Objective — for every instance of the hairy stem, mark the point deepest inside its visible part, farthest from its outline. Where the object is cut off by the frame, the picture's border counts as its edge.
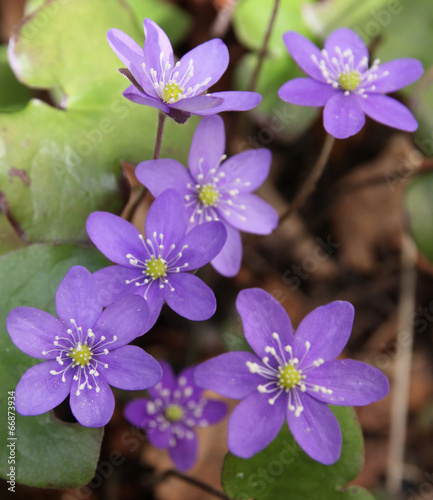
(159, 133)
(194, 482)
(128, 215)
(264, 48)
(312, 179)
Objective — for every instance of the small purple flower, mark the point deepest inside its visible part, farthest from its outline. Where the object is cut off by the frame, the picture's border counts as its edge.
(217, 191)
(342, 81)
(290, 377)
(176, 408)
(85, 351)
(178, 89)
(156, 266)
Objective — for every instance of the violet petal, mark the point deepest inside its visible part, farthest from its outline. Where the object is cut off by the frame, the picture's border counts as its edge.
(204, 242)
(38, 391)
(207, 147)
(228, 261)
(154, 296)
(213, 412)
(401, 72)
(316, 430)
(77, 299)
(115, 237)
(191, 298)
(167, 216)
(303, 50)
(347, 39)
(157, 48)
(134, 95)
(389, 111)
(137, 413)
(343, 115)
(262, 315)
(184, 452)
(228, 374)
(254, 424)
(353, 383)
(168, 380)
(250, 167)
(126, 319)
(197, 104)
(131, 368)
(159, 175)
(186, 380)
(251, 214)
(33, 331)
(327, 329)
(131, 54)
(91, 408)
(210, 60)
(233, 101)
(111, 283)
(306, 92)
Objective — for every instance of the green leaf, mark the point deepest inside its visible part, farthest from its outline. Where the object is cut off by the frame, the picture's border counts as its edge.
(419, 204)
(251, 19)
(9, 240)
(283, 470)
(325, 17)
(172, 19)
(407, 32)
(49, 453)
(13, 94)
(71, 156)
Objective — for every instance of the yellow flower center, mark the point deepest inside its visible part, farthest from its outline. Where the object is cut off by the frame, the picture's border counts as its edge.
(209, 195)
(172, 92)
(81, 355)
(156, 267)
(289, 377)
(174, 413)
(350, 80)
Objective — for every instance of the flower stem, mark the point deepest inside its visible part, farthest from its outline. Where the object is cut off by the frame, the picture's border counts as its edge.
(264, 48)
(312, 179)
(402, 368)
(159, 133)
(128, 215)
(194, 482)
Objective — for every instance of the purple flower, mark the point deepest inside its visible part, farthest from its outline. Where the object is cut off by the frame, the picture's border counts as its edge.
(176, 408)
(217, 191)
(156, 265)
(290, 377)
(342, 81)
(180, 89)
(85, 351)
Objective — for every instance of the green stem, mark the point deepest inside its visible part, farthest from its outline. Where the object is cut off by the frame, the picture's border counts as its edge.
(312, 179)
(157, 151)
(264, 48)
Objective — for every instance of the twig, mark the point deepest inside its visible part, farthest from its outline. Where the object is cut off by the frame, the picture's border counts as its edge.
(194, 482)
(157, 151)
(400, 393)
(312, 179)
(222, 22)
(264, 48)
